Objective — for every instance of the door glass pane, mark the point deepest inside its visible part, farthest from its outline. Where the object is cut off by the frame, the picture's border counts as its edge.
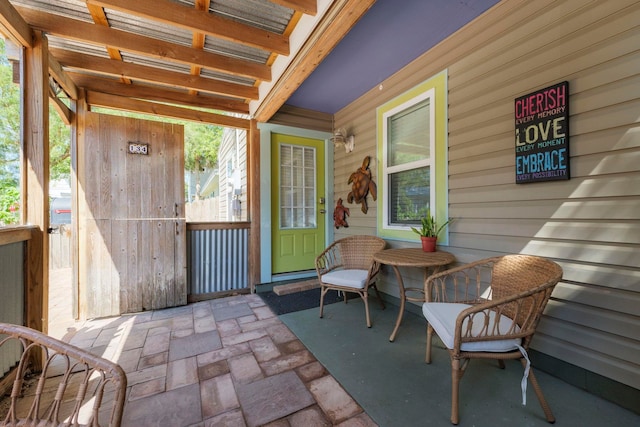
(309, 196)
(285, 218)
(296, 195)
(297, 186)
(298, 177)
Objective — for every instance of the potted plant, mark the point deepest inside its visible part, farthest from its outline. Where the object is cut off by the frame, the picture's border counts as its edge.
(429, 231)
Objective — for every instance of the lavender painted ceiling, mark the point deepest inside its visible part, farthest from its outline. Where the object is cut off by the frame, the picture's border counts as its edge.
(390, 35)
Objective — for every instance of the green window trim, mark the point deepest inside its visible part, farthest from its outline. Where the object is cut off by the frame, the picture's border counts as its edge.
(435, 88)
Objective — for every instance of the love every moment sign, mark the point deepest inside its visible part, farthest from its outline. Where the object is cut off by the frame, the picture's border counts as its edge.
(542, 135)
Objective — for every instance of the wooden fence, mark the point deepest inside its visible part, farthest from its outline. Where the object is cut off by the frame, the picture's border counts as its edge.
(205, 210)
(60, 247)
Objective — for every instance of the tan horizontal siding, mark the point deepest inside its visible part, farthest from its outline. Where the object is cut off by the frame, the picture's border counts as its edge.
(601, 297)
(589, 224)
(592, 319)
(622, 232)
(618, 369)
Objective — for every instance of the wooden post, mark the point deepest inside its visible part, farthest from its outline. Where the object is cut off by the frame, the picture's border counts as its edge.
(76, 105)
(79, 203)
(253, 178)
(35, 174)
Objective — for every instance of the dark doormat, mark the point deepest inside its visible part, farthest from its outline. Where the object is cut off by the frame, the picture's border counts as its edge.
(282, 304)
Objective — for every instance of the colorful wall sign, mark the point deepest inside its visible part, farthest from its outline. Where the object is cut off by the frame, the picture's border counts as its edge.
(542, 135)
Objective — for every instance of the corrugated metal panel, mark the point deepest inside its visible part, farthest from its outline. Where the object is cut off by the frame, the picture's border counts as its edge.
(147, 27)
(71, 8)
(588, 224)
(152, 62)
(226, 77)
(12, 301)
(77, 46)
(224, 47)
(217, 260)
(263, 13)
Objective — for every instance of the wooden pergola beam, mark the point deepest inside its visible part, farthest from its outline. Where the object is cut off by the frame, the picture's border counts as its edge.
(166, 95)
(63, 111)
(98, 99)
(58, 74)
(104, 36)
(192, 19)
(18, 28)
(112, 67)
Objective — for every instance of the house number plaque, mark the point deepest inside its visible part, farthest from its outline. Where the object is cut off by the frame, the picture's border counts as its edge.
(138, 148)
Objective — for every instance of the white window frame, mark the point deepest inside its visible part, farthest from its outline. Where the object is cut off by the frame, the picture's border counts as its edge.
(430, 161)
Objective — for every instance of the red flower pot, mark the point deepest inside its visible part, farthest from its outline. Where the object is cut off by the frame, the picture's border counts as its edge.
(428, 243)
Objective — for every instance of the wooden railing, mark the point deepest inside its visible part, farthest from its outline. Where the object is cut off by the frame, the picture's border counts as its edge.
(13, 253)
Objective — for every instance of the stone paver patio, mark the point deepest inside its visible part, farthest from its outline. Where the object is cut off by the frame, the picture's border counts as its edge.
(225, 362)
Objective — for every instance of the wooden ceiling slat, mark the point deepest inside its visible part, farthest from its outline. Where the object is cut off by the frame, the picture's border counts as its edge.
(198, 38)
(195, 20)
(151, 74)
(99, 17)
(104, 36)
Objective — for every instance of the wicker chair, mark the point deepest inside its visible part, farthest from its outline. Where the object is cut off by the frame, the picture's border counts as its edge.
(490, 309)
(74, 387)
(347, 266)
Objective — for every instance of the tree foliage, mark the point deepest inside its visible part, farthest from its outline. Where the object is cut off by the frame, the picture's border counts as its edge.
(201, 143)
(9, 142)
(10, 146)
(59, 147)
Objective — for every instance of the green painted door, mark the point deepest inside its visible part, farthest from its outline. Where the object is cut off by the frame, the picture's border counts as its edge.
(298, 207)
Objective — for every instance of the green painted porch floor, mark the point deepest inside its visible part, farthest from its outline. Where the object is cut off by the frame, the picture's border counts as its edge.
(395, 387)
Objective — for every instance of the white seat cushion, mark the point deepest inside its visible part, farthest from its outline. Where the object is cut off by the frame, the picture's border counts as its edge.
(442, 317)
(348, 278)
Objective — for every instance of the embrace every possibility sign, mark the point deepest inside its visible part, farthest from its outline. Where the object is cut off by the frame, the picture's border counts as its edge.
(542, 135)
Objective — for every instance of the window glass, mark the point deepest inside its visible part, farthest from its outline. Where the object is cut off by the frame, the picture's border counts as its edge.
(408, 163)
(409, 135)
(409, 195)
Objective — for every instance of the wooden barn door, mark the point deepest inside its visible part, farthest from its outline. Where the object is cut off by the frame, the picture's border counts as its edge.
(132, 231)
